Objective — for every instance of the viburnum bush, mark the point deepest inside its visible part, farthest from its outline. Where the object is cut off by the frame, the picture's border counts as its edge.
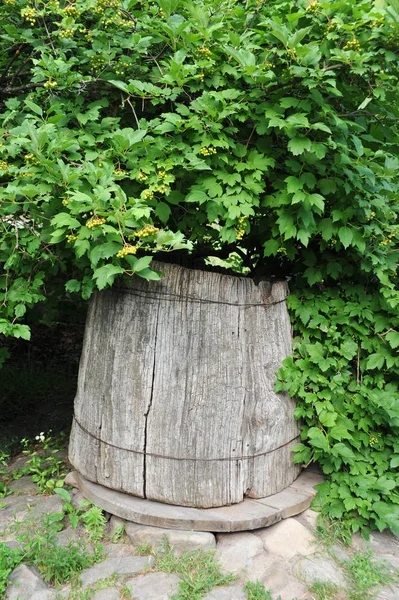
(263, 133)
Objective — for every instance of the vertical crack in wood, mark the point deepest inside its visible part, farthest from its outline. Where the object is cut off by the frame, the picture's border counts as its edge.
(149, 407)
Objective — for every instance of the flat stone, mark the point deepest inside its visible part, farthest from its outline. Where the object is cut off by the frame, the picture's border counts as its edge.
(230, 592)
(339, 553)
(125, 565)
(79, 502)
(384, 542)
(287, 539)
(181, 541)
(236, 551)
(260, 565)
(23, 485)
(154, 586)
(392, 561)
(44, 595)
(280, 583)
(308, 518)
(47, 504)
(389, 593)
(118, 550)
(310, 569)
(72, 479)
(24, 581)
(67, 536)
(307, 480)
(108, 594)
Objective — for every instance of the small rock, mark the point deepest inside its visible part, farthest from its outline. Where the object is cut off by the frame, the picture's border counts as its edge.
(231, 592)
(389, 593)
(320, 569)
(287, 539)
(339, 553)
(23, 583)
(80, 502)
(125, 565)
(260, 565)
(23, 485)
(108, 594)
(72, 479)
(181, 541)
(66, 536)
(308, 518)
(47, 504)
(115, 525)
(280, 583)
(391, 560)
(118, 550)
(236, 551)
(154, 586)
(384, 542)
(44, 595)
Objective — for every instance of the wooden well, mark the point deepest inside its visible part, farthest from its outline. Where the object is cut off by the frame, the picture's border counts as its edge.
(176, 399)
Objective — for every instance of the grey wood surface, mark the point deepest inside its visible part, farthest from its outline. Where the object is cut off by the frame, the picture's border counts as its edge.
(184, 368)
(247, 515)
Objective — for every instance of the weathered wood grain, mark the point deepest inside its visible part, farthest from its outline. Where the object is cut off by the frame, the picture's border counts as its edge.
(182, 370)
(245, 516)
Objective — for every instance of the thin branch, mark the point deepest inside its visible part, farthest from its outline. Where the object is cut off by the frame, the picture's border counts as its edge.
(134, 112)
(10, 91)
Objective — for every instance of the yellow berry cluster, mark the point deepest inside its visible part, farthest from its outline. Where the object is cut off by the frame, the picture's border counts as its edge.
(208, 151)
(119, 171)
(371, 216)
(122, 66)
(10, 2)
(162, 189)
(240, 230)
(161, 13)
(331, 27)
(376, 23)
(102, 5)
(95, 221)
(71, 10)
(29, 14)
(206, 53)
(388, 240)
(31, 159)
(22, 174)
(3, 165)
(147, 195)
(268, 65)
(71, 238)
(352, 45)
(66, 33)
(282, 250)
(141, 176)
(201, 77)
(146, 231)
(65, 202)
(162, 174)
(50, 84)
(291, 52)
(127, 249)
(373, 440)
(312, 7)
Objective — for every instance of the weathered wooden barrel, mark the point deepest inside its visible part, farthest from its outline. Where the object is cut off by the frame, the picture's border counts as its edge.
(176, 399)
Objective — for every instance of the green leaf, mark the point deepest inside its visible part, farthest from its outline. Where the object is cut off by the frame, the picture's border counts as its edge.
(345, 235)
(163, 211)
(65, 220)
(142, 263)
(105, 275)
(299, 144)
(149, 274)
(394, 462)
(375, 361)
(270, 248)
(318, 439)
(73, 285)
(103, 251)
(393, 338)
(34, 107)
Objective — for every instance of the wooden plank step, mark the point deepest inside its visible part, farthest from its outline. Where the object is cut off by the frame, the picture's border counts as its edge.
(244, 516)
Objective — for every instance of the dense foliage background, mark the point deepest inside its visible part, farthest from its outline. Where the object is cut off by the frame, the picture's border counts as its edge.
(264, 133)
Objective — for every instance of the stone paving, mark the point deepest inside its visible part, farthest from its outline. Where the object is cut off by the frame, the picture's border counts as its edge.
(286, 557)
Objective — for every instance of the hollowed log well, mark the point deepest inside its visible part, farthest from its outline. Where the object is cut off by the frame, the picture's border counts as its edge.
(176, 399)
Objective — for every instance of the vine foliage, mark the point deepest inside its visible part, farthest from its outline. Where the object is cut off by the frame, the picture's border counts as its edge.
(264, 133)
